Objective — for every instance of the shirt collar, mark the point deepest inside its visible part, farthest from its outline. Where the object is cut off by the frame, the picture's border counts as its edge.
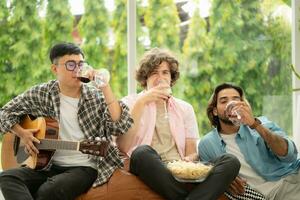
(244, 132)
(218, 139)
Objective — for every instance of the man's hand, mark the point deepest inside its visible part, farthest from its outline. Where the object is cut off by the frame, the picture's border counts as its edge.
(191, 157)
(237, 187)
(245, 111)
(27, 137)
(156, 93)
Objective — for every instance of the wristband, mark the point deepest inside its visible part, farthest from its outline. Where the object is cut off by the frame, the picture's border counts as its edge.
(256, 123)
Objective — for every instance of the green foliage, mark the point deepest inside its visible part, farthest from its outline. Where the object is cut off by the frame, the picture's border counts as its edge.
(242, 48)
(95, 43)
(239, 46)
(23, 52)
(119, 51)
(288, 2)
(161, 18)
(119, 64)
(240, 42)
(5, 64)
(58, 27)
(197, 69)
(59, 22)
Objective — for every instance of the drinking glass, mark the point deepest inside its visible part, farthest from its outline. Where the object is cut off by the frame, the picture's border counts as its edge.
(169, 92)
(233, 115)
(84, 74)
(101, 77)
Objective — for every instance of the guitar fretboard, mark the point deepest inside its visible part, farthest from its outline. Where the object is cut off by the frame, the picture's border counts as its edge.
(58, 144)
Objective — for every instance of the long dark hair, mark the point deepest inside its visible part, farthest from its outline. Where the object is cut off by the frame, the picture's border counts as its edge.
(214, 120)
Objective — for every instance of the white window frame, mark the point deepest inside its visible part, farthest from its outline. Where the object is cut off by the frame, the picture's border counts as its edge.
(296, 62)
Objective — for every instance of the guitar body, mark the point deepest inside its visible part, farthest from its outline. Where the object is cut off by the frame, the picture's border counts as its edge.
(13, 154)
(8, 159)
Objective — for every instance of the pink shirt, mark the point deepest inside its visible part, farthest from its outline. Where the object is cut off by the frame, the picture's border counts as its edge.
(182, 121)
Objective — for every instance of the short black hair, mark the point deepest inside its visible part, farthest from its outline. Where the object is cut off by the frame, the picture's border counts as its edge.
(61, 49)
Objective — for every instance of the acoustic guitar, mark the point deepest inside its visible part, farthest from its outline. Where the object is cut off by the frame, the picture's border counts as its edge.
(13, 154)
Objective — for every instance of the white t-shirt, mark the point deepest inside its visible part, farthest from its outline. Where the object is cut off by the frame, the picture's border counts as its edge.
(69, 130)
(246, 171)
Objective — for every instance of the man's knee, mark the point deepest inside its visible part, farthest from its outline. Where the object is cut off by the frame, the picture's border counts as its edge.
(139, 157)
(141, 151)
(231, 162)
(50, 190)
(6, 177)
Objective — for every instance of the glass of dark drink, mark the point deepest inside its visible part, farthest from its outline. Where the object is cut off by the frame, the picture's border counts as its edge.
(84, 74)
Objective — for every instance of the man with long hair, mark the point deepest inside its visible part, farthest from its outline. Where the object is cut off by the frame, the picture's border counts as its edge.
(268, 157)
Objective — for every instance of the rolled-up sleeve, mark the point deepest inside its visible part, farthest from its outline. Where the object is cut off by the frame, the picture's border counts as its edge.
(10, 114)
(292, 150)
(122, 125)
(191, 126)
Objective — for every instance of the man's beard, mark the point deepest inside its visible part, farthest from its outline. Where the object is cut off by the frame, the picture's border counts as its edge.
(224, 119)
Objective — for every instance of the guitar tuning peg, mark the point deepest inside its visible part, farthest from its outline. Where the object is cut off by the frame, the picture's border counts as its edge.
(103, 138)
(97, 138)
(91, 151)
(90, 138)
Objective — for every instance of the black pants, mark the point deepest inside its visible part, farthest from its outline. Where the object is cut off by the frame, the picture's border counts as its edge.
(147, 164)
(65, 183)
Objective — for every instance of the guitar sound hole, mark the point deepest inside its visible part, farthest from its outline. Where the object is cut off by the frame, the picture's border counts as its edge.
(51, 131)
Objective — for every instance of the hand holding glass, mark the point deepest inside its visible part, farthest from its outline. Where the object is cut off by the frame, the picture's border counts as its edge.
(169, 92)
(233, 114)
(100, 77)
(84, 74)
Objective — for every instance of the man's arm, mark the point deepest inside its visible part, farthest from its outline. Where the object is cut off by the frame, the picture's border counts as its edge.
(190, 150)
(277, 144)
(192, 131)
(125, 141)
(113, 105)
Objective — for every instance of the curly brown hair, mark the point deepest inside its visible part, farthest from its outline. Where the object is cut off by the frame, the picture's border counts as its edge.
(151, 60)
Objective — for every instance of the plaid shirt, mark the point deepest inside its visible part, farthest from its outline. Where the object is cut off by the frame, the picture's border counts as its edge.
(93, 118)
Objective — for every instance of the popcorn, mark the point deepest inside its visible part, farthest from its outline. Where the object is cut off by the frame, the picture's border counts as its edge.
(189, 170)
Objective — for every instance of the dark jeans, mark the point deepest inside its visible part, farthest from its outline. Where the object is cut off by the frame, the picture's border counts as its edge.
(65, 183)
(147, 164)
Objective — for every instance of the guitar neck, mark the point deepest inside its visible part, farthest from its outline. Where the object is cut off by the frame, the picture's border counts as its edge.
(58, 144)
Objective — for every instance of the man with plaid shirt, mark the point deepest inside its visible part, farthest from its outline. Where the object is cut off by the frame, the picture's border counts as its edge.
(82, 112)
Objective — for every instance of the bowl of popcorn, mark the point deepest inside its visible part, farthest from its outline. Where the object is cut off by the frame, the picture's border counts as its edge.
(189, 171)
